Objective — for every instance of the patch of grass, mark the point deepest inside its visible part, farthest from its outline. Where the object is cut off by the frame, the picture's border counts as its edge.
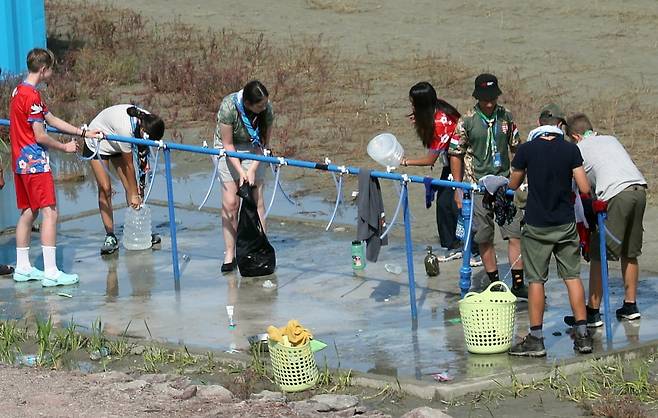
(97, 339)
(210, 364)
(69, 339)
(11, 337)
(182, 359)
(154, 358)
(121, 347)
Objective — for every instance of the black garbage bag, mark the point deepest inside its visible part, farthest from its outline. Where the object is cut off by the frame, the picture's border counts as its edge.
(254, 253)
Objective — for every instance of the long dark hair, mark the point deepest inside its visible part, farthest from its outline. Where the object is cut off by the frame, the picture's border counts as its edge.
(253, 92)
(150, 123)
(425, 103)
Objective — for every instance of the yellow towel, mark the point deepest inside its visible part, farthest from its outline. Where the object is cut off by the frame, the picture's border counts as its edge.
(295, 333)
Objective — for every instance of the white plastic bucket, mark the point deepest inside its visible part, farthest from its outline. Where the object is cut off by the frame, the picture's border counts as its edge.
(386, 150)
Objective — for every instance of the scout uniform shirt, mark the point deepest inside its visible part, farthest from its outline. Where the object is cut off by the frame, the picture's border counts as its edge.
(485, 143)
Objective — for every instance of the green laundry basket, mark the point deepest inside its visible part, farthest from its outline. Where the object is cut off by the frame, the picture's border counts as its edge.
(294, 367)
(488, 319)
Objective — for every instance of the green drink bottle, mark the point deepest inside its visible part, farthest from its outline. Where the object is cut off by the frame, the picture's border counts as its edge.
(358, 255)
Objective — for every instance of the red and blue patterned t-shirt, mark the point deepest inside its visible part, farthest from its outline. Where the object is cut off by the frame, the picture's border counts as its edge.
(26, 108)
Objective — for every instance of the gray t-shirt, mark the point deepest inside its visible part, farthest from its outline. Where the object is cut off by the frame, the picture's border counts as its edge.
(608, 166)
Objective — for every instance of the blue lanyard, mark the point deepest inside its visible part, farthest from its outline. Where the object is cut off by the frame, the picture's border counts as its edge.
(254, 133)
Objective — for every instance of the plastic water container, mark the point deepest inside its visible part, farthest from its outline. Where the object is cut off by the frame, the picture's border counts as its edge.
(137, 229)
(386, 150)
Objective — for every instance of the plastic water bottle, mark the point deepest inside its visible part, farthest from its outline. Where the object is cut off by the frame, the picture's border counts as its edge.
(393, 268)
(460, 230)
(137, 229)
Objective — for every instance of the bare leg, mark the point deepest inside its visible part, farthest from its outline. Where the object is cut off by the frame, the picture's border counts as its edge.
(514, 254)
(595, 288)
(577, 298)
(536, 303)
(488, 254)
(104, 194)
(230, 205)
(126, 172)
(260, 204)
(49, 226)
(24, 228)
(630, 271)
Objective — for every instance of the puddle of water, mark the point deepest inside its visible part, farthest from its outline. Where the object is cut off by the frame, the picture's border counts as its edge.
(364, 317)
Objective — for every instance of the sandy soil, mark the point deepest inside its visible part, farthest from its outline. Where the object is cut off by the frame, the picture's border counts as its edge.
(116, 394)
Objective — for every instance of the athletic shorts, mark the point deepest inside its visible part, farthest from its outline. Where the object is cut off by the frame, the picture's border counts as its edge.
(35, 191)
(539, 243)
(624, 223)
(228, 173)
(87, 153)
(483, 223)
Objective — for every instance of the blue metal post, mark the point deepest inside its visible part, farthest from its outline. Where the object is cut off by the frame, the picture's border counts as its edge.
(410, 252)
(465, 271)
(601, 217)
(172, 216)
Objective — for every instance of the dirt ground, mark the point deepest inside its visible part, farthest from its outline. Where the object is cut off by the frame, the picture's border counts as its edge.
(116, 394)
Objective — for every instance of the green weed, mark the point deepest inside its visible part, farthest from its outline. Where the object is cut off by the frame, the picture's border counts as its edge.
(11, 336)
(121, 347)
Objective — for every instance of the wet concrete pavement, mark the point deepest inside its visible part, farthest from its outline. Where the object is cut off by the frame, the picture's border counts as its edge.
(364, 317)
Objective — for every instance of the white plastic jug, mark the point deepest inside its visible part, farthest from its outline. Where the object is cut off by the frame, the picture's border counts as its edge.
(386, 150)
(137, 229)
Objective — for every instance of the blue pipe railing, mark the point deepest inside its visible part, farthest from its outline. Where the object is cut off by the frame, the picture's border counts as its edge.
(465, 273)
(601, 217)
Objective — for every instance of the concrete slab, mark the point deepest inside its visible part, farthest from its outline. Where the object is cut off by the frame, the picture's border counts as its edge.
(365, 317)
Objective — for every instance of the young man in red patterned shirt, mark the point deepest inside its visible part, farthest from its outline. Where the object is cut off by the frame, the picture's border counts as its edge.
(35, 188)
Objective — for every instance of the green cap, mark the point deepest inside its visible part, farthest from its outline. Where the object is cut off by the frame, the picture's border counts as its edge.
(552, 111)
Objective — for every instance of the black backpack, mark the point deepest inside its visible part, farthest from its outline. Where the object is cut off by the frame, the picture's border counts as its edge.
(254, 253)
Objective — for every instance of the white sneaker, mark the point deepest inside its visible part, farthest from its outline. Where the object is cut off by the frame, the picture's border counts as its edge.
(61, 279)
(476, 261)
(450, 254)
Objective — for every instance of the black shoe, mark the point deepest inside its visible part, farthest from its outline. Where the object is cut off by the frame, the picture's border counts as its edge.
(5, 269)
(110, 245)
(155, 239)
(628, 311)
(583, 343)
(593, 320)
(228, 267)
(529, 347)
(521, 293)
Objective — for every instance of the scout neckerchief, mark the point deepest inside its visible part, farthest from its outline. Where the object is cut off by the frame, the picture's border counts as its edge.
(490, 123)
(254, 133)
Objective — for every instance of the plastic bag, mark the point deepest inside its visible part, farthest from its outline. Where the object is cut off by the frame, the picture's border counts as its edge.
(254, 253)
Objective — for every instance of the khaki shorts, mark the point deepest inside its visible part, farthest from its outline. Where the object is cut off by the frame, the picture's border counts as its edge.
(537, 245)
(483, 223)
(625, 216)
(228, 173)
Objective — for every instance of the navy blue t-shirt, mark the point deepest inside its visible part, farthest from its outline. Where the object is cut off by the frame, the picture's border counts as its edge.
(549, 168)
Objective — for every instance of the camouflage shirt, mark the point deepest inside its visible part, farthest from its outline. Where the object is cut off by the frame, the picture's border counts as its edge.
(228, 115)
(471, 141)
